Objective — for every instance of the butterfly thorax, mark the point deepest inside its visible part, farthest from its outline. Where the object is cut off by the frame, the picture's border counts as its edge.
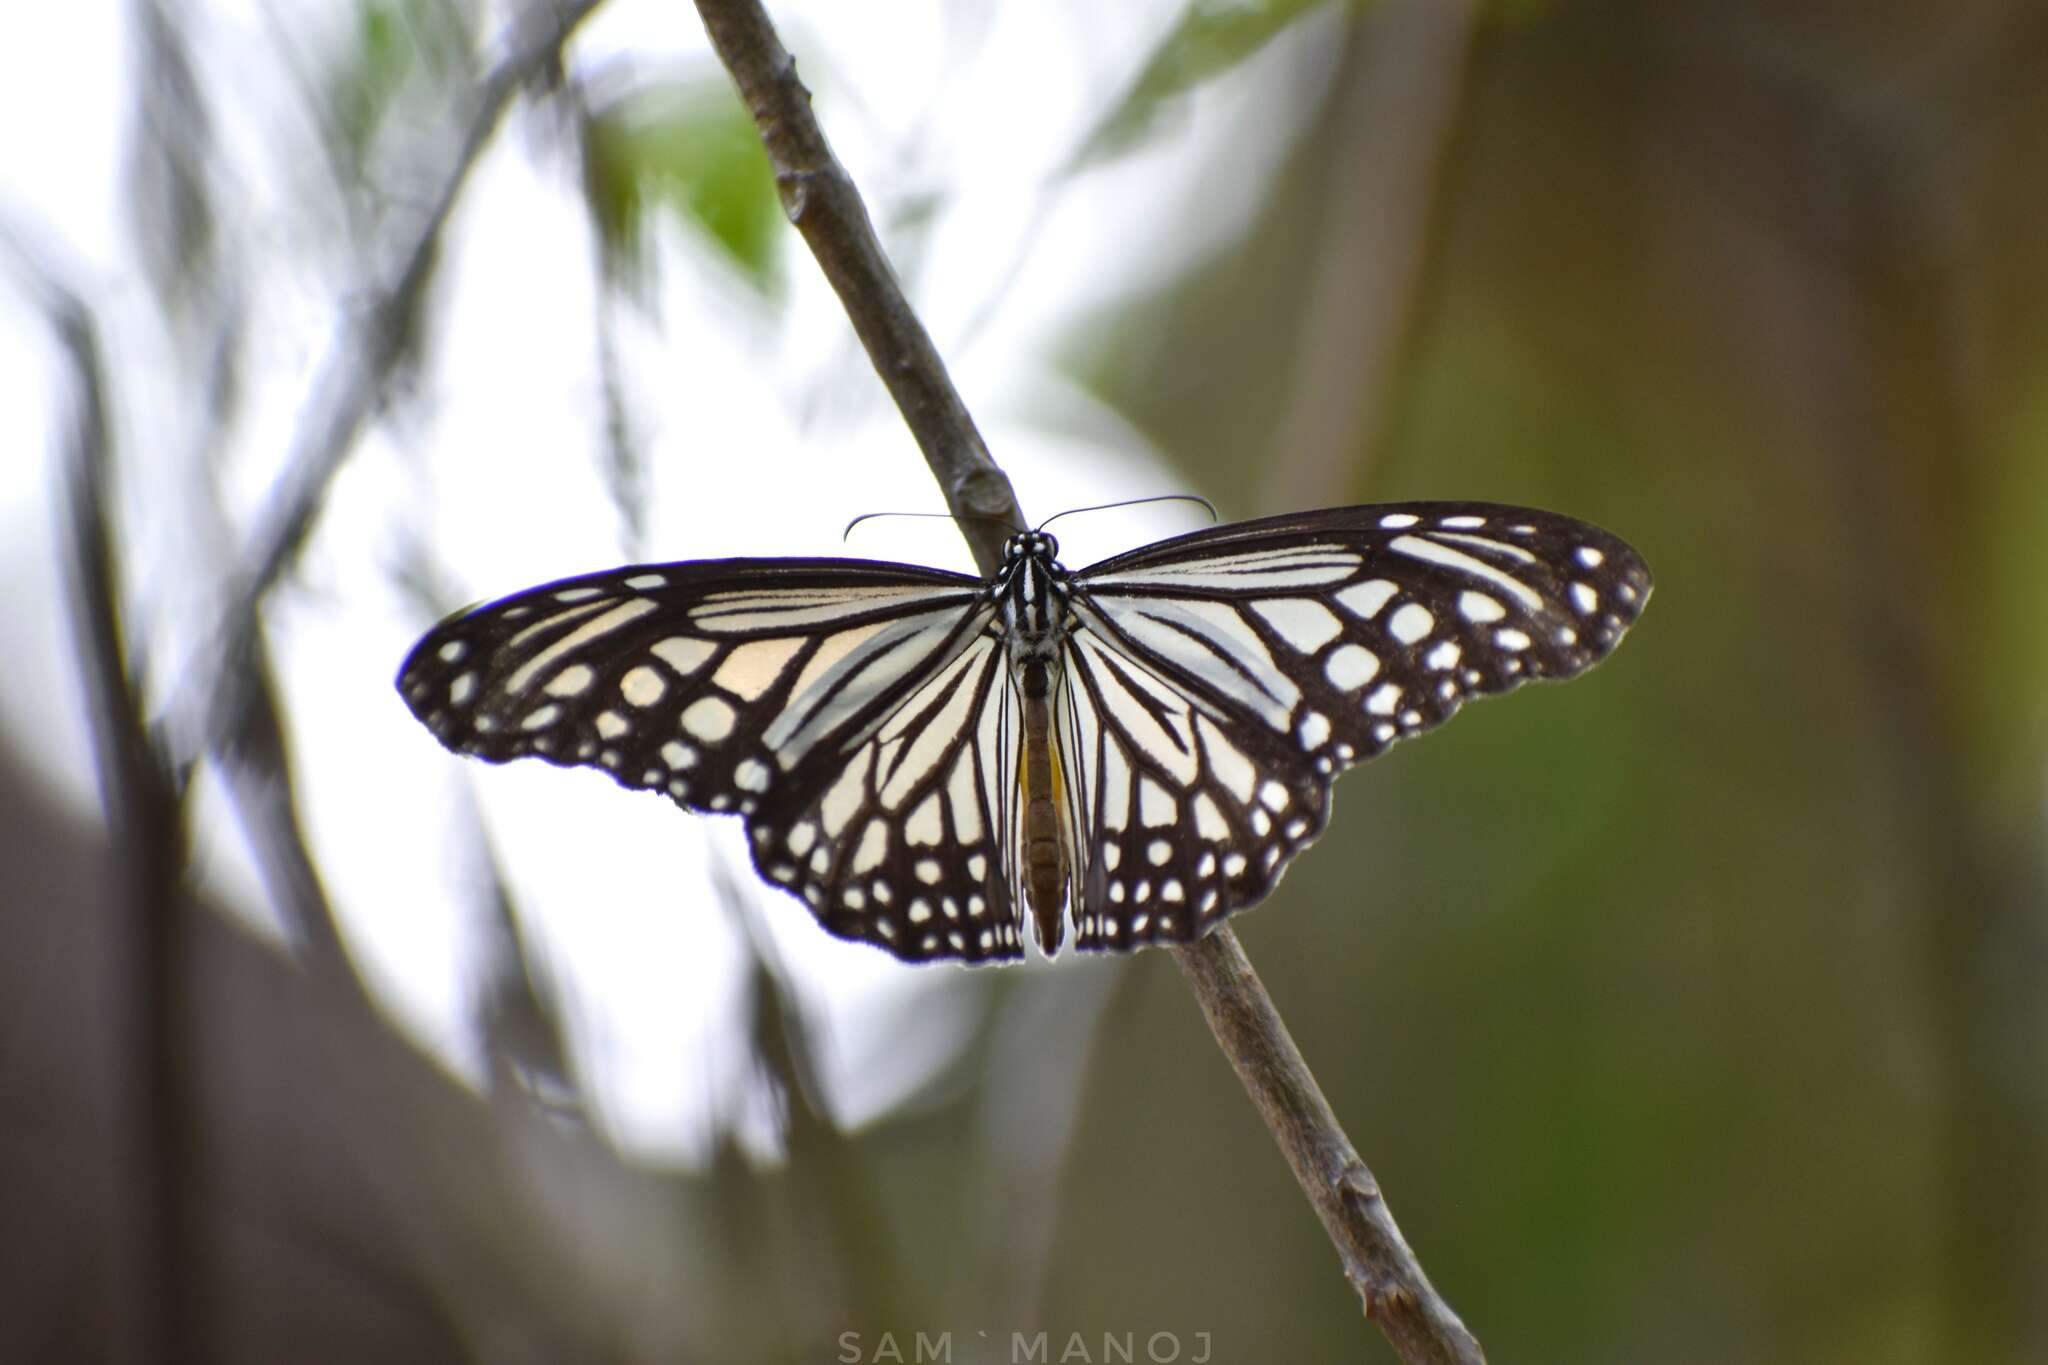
(1032, 590)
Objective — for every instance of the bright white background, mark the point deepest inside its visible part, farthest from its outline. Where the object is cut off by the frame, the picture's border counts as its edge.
(766, 431)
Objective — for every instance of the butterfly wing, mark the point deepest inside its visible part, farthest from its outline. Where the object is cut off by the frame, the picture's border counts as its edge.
(908, 842)
(797, 693)
(1218, 682)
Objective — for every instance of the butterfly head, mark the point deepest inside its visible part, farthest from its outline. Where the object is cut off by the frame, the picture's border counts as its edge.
(1031, 545)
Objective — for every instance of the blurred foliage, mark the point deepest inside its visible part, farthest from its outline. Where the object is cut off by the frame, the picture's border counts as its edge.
(687, 148)
(394, 48)
(1692, 1012)
(1210, 39)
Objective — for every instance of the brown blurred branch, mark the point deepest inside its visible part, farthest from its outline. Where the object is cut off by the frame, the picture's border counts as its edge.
(1392, 125)
(161, 1269)
(822, 202)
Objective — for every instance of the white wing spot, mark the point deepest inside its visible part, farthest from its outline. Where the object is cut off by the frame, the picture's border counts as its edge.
(977, 868)
(929, 871)
(1364, 600)
(1233, 865)
(853, 898)
(924, 825)
(801, 837)
(1112, 854)
(821, 860)
(1262, 823)
(1511, 639)
(1155, 804)
(709, 718)
(1116, 892)
(1444, 656)
(677, 754)
(751, 775)
(572, 681)
(1351, 667)
(1567, 636)
(1226, 760)
(752, 668)
(610, 724)
(1463, 523)
(1584, 598)
(642, 686)
(1174, 893)
(1411, 622)
(641, 582)
(843, 797)
(452, 652)
(1304, 623)
(540, 717)
(1384, 699)
(1209, 821)
(683, 654)
(962, 793)
(920, 910)
(462, 689)
(1159, 851)
(578, 594)
(1396, 521)
(1206, 868)
(597, 626)
(1314, 730)
(874, 846)
(1478, 608)
(1274, 797)
(1591, 557)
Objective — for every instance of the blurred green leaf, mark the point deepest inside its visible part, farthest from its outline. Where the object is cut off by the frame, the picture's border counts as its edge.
(692, 150)
(1212, 37)
(395, 42)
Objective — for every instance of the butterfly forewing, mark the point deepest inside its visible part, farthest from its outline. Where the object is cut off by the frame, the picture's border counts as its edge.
(1298, 646)
(736, 685)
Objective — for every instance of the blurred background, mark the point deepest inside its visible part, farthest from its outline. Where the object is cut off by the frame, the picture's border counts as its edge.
(1692, 1012)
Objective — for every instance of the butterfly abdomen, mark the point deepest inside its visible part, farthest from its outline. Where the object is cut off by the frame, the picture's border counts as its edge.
(1045, 853)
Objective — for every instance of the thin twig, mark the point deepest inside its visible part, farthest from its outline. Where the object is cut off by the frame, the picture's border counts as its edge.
(822, 202)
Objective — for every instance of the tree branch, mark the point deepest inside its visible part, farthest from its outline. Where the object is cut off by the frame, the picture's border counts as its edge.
(822, 202)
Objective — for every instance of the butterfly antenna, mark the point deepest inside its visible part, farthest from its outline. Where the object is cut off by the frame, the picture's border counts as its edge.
(944, 516)
(1136, 502)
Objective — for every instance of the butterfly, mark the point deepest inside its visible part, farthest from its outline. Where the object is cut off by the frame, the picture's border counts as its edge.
(1141, 746)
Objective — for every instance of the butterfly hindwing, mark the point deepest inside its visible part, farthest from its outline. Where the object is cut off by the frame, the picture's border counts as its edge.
(1177, 821)
(906, 845)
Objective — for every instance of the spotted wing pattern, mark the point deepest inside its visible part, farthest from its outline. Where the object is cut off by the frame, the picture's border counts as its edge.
(865, 719)
(908, 841)
(1217, 683)
(813, 697)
